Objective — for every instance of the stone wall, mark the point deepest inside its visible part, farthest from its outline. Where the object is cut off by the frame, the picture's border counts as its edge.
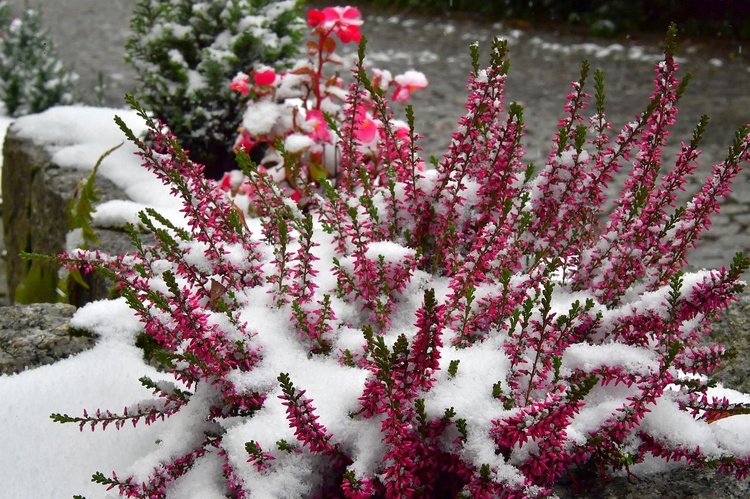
(38, 334)
(36, 195)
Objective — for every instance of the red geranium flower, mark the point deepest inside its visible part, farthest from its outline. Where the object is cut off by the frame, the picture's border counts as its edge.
(264, 77)
(241, 83)
(342, 21)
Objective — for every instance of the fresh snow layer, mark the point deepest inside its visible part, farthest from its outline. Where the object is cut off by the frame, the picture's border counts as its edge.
(41, 458)
(77, 136)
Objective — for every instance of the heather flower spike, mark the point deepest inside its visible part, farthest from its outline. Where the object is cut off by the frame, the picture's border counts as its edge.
(468, 331)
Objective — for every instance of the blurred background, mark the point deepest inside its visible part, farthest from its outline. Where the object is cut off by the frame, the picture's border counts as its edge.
(548, 39)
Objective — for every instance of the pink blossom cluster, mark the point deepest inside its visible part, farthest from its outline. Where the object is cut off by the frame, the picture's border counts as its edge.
(472, 330)
(294, 107)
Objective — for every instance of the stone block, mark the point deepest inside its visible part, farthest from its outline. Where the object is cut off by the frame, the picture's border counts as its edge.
(36, 195)
(38, 334)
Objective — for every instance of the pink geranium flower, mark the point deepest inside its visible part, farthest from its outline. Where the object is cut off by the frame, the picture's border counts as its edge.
(245, 142)
(367, 128)
(408, 82)
(343, 21)
(295, 195)
(317, 122)
(241, 83)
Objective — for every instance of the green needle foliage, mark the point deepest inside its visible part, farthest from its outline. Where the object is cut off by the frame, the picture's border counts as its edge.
(32, 78)
(186, 52)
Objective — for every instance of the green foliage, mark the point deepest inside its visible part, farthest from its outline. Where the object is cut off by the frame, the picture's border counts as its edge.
(39, 285)
(153, 353)
(81, 206)
(32, 78)
(453, 368)
(186, 53)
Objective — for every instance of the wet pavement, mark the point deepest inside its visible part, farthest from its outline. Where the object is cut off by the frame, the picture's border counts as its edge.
(90, 36)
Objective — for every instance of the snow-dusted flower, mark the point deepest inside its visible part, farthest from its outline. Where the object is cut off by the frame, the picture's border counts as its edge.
(318, 126)
(241, 83)
(407, 83)
(312, 89)
(344, 22)
(381, 78)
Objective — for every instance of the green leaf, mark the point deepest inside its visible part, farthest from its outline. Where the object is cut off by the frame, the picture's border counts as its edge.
(76, 276)
(453, 368)
(599, 90)
(81, 206)
(39, 285)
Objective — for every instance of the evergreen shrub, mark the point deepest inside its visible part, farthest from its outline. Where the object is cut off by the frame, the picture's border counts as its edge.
(32, 77)
(185, 51)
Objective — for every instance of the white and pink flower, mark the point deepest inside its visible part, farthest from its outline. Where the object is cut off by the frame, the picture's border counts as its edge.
(407, 83)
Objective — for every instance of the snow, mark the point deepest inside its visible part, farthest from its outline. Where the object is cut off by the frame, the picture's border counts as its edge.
(614, 50)
(104, 377)
(411, 78)
(297, 143)
(117, 214)
(260, 118)
(78, 136)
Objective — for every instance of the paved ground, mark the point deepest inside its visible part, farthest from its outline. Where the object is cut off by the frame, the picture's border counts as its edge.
(90, 36)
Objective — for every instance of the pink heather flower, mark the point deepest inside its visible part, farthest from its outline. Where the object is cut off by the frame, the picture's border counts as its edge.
(317, 122)
(407, 83)
(343, 21)
(264, 77)
(241, 83)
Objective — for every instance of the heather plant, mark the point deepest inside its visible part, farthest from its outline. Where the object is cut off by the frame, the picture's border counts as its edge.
(184, 52)
(32, 77)
(477, 329)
